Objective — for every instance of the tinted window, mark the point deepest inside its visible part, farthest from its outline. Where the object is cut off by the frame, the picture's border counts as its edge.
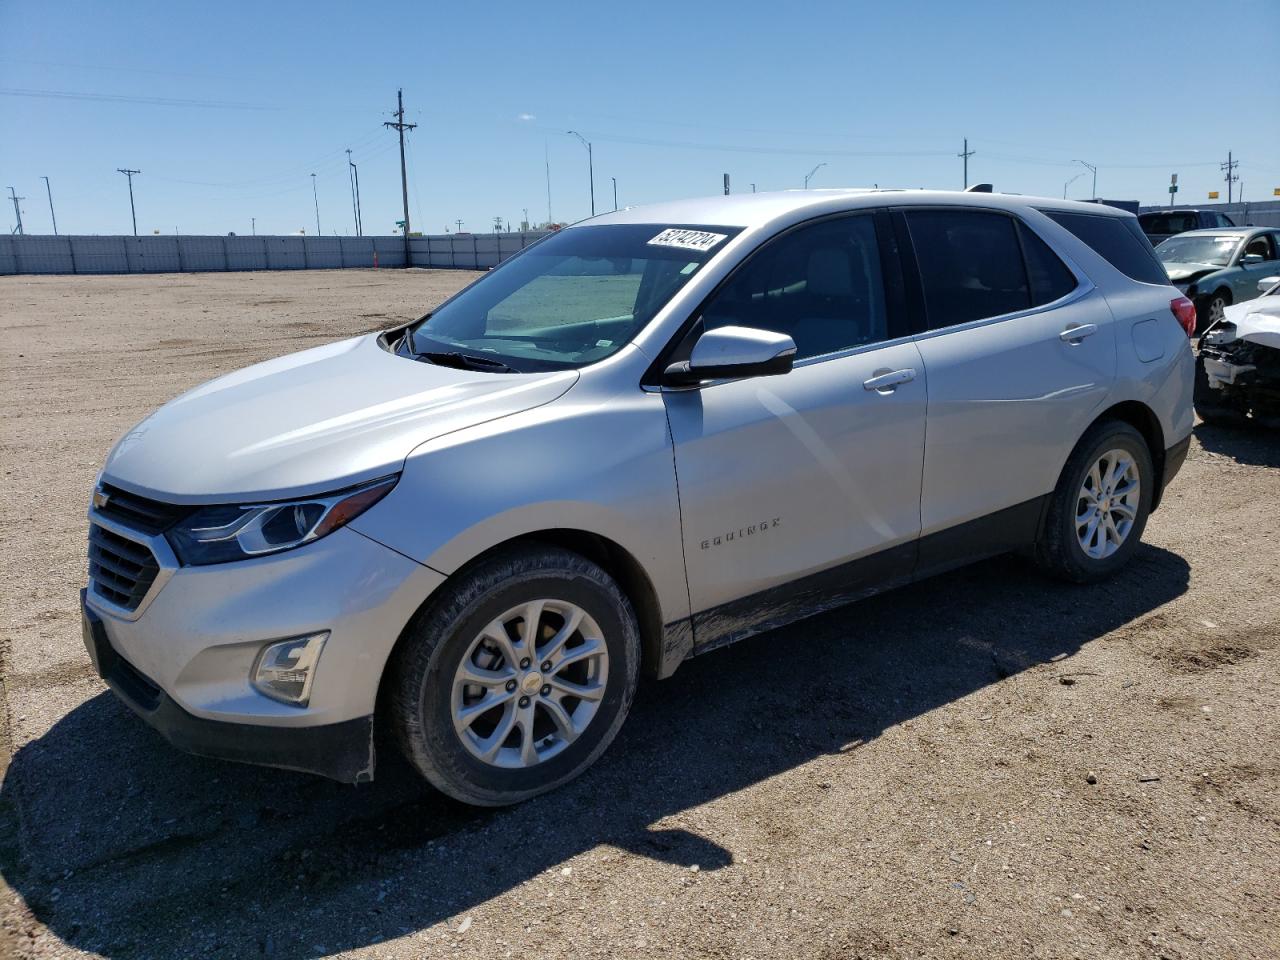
(1118, 240)
(970, 265)
(821, 285)
(1168, 223)
(1050, 278)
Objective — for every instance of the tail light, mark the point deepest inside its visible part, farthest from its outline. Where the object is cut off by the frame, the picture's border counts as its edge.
(1185, 312)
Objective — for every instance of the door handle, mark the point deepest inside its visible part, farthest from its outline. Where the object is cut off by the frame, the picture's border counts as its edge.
(1078, 332)
(887, 382)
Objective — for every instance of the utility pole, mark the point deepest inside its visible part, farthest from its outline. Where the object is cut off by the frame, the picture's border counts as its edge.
(1094, 170)
(459, 223)
(726, 184)
(753, 188)
(253, 226)
(591, 168)
(964, 155)
(355, 215)
(546, 156)
(1232, 176)
(51, 214)
(615, 192)
(132, 209)
(316, 197)
(400, 127)
(17, 212)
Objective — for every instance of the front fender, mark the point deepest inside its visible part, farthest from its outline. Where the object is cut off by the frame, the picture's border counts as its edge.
(602, 465)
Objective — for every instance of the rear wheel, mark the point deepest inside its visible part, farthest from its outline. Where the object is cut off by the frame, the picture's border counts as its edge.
(1100, 507)
(517, 678)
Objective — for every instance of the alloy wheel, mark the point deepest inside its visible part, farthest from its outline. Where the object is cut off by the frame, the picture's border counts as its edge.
(529, 684)
(1107, 504)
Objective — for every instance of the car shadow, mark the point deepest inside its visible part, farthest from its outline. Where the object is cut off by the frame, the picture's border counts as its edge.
(128, 848)
(1250, 443)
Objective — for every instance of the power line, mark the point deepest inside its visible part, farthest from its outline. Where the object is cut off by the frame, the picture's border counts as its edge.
(120, 98)
(132, 209)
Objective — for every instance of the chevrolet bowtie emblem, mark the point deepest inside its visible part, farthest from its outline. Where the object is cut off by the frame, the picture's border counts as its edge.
(100, 499)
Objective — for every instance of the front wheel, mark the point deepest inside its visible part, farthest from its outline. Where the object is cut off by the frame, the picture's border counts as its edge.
(1213, 309)
(517, 678)
(1100, 506)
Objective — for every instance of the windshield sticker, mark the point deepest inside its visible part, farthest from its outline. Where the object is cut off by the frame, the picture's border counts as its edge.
(687, 239)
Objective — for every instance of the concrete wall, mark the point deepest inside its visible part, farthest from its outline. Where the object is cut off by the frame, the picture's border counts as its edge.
(177, 254)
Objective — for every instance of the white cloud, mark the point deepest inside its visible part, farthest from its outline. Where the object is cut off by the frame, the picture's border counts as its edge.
(526, 116)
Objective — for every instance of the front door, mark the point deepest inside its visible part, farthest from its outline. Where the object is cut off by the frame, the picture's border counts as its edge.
(801, 489)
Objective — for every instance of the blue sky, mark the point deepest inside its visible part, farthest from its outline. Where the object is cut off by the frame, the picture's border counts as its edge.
(672, 95)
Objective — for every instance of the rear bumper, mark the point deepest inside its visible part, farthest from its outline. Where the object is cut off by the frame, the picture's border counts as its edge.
(340, 751)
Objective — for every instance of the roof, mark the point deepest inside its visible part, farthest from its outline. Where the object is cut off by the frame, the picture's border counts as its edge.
(1224, 231)
(752, 209)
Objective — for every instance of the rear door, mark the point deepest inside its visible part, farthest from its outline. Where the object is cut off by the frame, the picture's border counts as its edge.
(1019, 352)
(786, 478)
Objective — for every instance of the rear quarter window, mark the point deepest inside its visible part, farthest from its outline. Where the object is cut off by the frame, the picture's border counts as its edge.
(1118, 240)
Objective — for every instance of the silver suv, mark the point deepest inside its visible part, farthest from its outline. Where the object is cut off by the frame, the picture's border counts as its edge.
(646, 436)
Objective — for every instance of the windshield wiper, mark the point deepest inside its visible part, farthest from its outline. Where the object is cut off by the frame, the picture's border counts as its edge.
(466, 361)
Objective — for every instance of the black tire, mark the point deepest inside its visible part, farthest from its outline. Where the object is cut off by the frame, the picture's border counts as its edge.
(1218, 300)
(1211, 406)
(1058, 551)
(423, 669)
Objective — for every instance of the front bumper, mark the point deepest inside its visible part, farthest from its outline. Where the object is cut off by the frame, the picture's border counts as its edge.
(183, 660)
(341, 751)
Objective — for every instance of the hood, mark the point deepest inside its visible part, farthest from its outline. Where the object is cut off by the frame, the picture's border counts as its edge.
(311, 422)
(1257, 321)
(1183, 272)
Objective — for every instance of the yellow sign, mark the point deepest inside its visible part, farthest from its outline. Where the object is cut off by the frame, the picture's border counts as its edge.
(1213, 194)
(1276, 192)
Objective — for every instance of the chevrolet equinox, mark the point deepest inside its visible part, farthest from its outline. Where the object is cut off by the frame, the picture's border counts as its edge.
(644, 437)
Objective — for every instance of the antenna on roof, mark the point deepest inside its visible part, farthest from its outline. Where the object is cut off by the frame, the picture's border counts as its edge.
(978, 188)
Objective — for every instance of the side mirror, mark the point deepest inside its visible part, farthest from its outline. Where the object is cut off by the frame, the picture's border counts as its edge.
(732, 352)
(1251, 260)
(1267, 283)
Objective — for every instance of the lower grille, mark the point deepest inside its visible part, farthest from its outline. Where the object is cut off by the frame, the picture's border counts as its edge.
(122, 570)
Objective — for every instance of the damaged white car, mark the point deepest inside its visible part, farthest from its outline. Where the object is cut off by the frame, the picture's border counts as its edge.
(1238, 370)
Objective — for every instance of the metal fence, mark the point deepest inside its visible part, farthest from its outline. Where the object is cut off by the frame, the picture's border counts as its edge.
(29, 254)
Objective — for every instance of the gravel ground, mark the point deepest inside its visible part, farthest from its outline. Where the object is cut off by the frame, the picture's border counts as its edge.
(985, 765)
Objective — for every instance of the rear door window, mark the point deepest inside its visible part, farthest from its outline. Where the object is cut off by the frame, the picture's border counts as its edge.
(1118, 240)
(970, 265)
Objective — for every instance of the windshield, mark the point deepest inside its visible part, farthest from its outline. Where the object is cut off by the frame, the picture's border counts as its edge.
(1215, 251)
(572, 299)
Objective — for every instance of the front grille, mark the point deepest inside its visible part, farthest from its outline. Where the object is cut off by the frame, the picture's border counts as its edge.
(140, 513)
(122, 570)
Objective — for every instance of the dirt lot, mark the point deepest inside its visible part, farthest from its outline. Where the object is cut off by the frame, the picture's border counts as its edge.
(909, 777)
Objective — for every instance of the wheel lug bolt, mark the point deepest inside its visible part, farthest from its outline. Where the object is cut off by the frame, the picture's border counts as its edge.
(524, 701)
(546, 667)
(546, 689)
(524, 664)
(511, 685)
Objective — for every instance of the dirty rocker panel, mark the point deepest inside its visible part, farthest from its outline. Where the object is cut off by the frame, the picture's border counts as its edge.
(1004, 531)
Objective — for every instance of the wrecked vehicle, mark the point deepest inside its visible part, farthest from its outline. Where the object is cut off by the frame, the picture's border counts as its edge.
(1238, 369)
(1216, 268)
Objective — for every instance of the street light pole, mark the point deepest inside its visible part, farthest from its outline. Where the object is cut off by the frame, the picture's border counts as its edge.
(316, 197)
(809, 176)
(615, 192)
(1069, 183)
(591, 169)
(132, 209)
(1094, 170)
(48, 191)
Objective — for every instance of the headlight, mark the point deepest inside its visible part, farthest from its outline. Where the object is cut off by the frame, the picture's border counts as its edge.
(237, 531)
